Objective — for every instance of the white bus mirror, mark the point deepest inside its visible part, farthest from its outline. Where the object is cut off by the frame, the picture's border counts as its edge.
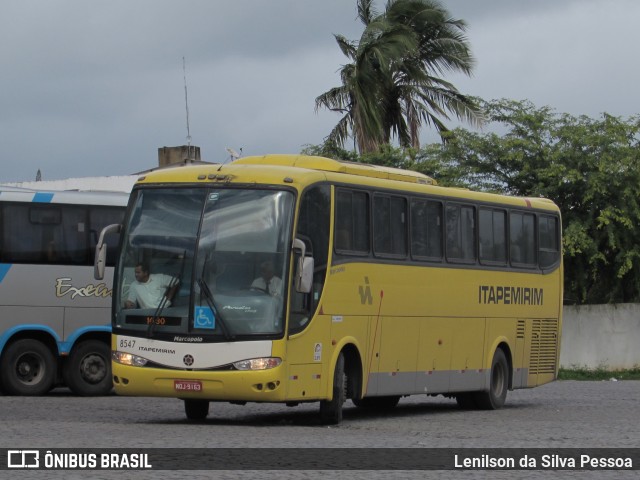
(100, 261)
(304, 272)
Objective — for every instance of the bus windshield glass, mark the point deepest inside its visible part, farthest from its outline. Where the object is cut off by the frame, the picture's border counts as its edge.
(204, 262)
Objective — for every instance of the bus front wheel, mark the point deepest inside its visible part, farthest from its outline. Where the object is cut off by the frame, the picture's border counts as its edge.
(331, 410)
(27, 368)
(196, 409)
(87, 371)
(495, 397)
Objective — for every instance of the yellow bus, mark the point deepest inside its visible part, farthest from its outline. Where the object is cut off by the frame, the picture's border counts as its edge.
(287, 278)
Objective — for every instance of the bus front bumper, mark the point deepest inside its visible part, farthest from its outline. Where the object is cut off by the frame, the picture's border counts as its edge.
(228, 385)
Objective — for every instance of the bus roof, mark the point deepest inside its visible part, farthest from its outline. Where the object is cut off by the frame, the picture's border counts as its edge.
(28, 195)
(336, 166)
(292, 169)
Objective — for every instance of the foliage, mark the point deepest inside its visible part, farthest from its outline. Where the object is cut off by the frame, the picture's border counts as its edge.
(392, 84)
(330, 150)
(600, 373)
(589, 167)
(385, 155)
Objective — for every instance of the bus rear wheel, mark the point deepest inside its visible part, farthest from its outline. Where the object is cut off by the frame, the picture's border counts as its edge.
(331, 410)
(496, 396)
(87, 371)
(27, 368)
(196, 409)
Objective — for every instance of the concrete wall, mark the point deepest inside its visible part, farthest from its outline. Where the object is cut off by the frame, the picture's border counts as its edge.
(170, 155)
(601, 336)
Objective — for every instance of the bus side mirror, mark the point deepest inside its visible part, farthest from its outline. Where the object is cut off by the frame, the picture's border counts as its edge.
(100, 261)
(304, 272)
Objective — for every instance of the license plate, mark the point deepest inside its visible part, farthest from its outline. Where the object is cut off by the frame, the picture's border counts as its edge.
(187, 385)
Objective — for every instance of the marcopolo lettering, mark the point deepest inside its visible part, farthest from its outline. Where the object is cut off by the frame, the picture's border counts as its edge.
(510, 295)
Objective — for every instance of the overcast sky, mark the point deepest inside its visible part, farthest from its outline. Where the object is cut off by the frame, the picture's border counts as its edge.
(92, 88)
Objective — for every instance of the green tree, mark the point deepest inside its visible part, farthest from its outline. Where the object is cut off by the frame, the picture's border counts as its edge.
(387, 155)
(589, 167)
(393, 84)
(330, 150)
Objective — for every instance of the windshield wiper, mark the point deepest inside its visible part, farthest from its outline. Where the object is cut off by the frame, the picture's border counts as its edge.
(204, 288)
(171, 289)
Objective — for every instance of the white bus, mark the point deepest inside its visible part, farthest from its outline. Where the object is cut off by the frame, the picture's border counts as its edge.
(54, 317)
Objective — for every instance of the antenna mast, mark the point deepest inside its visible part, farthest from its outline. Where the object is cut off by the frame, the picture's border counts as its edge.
(186, 103)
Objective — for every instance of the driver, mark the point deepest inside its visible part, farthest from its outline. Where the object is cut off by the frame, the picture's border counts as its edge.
(268, 281)
(148, 289)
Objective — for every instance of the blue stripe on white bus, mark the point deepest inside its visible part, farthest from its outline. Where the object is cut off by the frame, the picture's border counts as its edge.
(4, 269)
(63, 347)
(66, 346)
(6, 335)
(42, 197)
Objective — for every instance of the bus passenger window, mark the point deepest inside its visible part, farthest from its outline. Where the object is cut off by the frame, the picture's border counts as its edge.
(522, 239)
(426, 229)
(493, 236)
(389, 225)
(343, 240)
(549, 241)
(352, 217)
(461, 237)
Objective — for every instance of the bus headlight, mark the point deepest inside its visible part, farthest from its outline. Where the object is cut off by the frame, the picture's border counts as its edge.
(128, 359)
(263, 363)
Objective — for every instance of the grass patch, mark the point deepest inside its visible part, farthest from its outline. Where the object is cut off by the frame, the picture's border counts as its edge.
(600, 373)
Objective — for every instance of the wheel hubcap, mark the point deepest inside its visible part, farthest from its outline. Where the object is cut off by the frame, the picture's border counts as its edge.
(93, 368)
(29, 368)
(498, 380)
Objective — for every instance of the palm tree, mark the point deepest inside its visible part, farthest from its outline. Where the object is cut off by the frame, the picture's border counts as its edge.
(392, 84)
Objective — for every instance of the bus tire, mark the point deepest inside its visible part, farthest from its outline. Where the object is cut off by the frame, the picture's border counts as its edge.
(377, 403)
(495, 397)
(196, 409)
(87, 371)
(331, 410)
(27, 368)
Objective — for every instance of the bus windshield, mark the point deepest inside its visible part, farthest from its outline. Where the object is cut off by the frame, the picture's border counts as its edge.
(206, 262)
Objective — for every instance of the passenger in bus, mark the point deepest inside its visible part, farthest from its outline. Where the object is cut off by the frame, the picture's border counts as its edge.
(268, 282)
(149, 289)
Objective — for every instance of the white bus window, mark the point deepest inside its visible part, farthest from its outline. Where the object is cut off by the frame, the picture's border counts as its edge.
(98, 219)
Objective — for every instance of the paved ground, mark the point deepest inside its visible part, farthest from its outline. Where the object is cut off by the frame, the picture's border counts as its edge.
(564, 414)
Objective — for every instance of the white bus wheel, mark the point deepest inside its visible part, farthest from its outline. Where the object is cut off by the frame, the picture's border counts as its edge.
(87, 371)
(28, 368)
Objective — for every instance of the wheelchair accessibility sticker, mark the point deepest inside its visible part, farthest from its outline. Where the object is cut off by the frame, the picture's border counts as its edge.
(204, 318)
